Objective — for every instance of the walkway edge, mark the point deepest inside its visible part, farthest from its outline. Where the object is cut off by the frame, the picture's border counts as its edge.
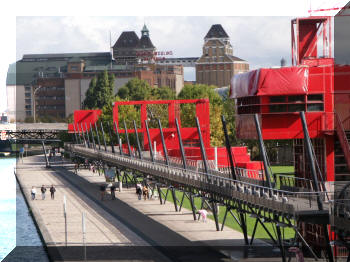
(41, 230)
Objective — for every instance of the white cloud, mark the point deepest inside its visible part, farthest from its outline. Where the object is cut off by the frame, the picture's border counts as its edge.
(259, 40)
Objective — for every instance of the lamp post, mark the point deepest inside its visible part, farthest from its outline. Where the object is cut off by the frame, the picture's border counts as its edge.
(34, 113)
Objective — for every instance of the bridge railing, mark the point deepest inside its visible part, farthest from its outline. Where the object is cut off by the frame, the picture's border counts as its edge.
(290, 182)
(275, 199)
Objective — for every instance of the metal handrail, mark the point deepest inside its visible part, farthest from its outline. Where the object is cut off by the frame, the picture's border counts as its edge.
(217, 184)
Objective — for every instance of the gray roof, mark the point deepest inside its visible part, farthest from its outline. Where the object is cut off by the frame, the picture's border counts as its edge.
(65, 56)
(32, 66)
(145, 42)
(216, 31)
(128, 39)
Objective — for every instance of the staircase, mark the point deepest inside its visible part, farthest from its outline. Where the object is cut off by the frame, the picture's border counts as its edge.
(342, 172)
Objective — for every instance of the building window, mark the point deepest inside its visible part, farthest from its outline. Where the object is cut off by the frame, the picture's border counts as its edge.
(28, 107)
(213, 51)
(27, 95)
(28, 113)
(206, 51)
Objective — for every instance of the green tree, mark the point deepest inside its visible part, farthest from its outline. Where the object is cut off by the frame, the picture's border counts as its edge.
(163, 93)
(188, 111)
(135, 89)
(100, 92)
(90, 99)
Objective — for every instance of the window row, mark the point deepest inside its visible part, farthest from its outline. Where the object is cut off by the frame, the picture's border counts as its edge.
(280, 104)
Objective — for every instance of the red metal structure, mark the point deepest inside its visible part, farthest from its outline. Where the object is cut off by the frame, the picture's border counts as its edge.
(315, 85)
(84, 116)
(189, 134)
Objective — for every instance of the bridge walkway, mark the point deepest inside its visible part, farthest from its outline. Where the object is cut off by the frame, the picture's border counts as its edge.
(292, 204)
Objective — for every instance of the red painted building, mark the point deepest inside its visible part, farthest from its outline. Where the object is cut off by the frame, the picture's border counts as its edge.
(315, 85)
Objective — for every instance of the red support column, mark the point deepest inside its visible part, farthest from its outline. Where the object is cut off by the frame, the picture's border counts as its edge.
(330, 169)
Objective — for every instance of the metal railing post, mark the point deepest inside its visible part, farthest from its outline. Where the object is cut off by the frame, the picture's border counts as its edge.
(103, 136)
(137, 140)
(82, 132)
(98, 137)
(127, 138)
(228, 148)
(181, 144)
(163, 143)
(92, 135)
(118, 137)
(263, 153)
(110, 135)
(149, 141)
(204, 155)
(87, 134)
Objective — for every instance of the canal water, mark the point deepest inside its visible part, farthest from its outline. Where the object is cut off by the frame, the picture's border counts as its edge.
(19, 239)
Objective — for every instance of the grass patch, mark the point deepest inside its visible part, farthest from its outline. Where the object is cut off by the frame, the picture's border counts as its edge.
(231, 222)
(282, 169)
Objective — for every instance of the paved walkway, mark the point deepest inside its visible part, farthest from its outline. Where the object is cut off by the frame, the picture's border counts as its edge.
(102, 229)
(180, 222)
(125, 229)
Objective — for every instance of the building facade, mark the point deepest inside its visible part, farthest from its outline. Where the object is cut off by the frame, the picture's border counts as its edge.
(217, 65)
(54, 85)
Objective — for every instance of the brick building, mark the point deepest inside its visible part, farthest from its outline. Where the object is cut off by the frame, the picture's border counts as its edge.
(217, 65)
(55, 84)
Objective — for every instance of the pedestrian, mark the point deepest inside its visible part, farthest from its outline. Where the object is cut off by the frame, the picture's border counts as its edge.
(139, 192)
(103, 191)
(145, 192)
(203, 213)
(43, 190)
(33, 193)
(113, 191)
(138, 185)
(52, 191)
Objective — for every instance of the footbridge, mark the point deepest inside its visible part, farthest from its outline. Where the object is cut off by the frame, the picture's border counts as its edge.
(282, 200)
(32, 133)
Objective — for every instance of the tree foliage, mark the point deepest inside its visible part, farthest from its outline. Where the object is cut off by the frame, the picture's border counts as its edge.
(100, 91)
(188, 111)
(137, 89)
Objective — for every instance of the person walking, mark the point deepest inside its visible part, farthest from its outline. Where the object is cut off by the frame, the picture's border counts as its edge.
(52, 191)
(113, 191)
(203, 213)
(43, 190)
(139, 192)
(103, 191)
(33, 192)
(145, 192)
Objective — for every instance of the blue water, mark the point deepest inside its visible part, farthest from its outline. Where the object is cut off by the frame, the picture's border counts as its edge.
(15, 218)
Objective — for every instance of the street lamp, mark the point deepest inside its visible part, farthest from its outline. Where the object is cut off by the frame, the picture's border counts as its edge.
(34, 113)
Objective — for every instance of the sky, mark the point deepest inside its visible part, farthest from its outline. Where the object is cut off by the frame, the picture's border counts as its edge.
(259, 30)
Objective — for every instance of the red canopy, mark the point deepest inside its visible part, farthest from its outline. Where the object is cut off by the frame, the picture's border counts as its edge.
(274, 81)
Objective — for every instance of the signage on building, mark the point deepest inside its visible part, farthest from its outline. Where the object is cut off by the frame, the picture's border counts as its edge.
(156, 56)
